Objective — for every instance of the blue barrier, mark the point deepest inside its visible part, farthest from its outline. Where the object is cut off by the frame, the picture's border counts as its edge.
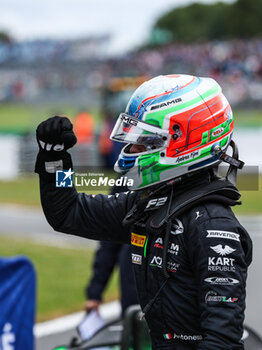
(17, 303)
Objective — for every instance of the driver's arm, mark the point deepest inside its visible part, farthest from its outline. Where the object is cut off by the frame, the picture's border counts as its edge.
(97, 217)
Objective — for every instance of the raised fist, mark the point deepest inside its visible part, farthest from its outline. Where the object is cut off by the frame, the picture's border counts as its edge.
(55, 134)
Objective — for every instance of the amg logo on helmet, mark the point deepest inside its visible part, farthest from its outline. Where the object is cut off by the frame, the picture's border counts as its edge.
(166, 104)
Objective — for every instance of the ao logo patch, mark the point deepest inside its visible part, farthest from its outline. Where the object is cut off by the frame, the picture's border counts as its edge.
(157, 262)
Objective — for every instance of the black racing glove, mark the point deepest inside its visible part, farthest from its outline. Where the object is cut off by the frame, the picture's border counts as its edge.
(54, 137)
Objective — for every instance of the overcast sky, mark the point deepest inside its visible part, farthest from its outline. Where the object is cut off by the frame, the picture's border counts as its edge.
(129, 21)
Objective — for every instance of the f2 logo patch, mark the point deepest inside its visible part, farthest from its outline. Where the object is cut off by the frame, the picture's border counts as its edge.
(156, 202)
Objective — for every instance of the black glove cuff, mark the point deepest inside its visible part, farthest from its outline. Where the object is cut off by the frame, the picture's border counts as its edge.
(47, 163)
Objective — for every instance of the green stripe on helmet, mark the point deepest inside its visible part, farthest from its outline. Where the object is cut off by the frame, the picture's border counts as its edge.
(160, 116)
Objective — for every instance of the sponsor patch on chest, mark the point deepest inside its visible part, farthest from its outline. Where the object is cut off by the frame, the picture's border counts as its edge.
(138, 240)
(212, 296)
(223, 234)
(173, 248)
(137, 259)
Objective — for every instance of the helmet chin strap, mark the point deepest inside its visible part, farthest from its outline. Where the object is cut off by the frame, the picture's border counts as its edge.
(234, 162)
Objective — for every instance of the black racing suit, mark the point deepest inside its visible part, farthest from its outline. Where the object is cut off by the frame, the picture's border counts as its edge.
(108, 256)
(201, 305)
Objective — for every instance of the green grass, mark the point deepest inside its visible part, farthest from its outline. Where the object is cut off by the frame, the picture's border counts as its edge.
(248, 118)
(250, 187)
(24, 118)
(251, 203)
(62, 276)
(25, 191)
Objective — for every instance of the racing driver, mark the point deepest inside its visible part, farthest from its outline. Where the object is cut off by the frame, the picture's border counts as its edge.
(189, 251)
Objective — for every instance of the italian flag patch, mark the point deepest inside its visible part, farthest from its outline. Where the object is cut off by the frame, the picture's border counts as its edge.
(167, 336)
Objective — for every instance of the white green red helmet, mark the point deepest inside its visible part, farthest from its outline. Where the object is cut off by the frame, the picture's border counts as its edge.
(180, 119)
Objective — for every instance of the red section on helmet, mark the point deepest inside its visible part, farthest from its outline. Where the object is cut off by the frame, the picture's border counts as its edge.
(189, 126)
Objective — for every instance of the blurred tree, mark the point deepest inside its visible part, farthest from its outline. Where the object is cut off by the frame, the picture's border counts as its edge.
(245, 18)
(5, 38)
(213, 21)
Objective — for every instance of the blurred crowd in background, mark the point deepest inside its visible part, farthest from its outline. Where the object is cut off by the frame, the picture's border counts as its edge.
(39, 70)
(47, 76)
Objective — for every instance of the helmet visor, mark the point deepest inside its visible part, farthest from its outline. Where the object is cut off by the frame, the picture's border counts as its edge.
(132, 130)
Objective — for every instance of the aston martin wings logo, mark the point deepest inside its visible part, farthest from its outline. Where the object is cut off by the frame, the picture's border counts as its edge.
(223, 251)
